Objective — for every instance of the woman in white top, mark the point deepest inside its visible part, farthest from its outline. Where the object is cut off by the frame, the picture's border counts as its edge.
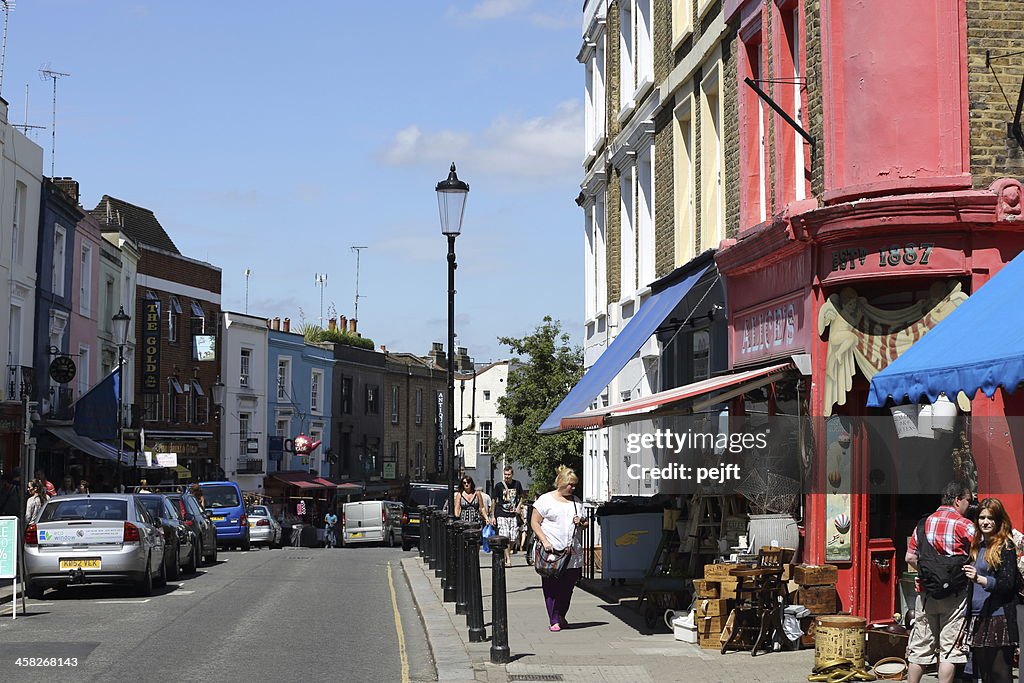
(557, 524)
(36, 501)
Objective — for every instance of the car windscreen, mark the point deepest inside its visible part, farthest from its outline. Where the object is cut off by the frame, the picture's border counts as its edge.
(154, 506)
(220, 496)
(425, 496)
(259, 511)
(85, 508)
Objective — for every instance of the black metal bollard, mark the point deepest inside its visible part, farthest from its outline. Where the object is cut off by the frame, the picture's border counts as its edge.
(439, 518)
(431, 521)
(450, 563)
(475, 603)
(424, 542)
(499, 605)
(460, 567)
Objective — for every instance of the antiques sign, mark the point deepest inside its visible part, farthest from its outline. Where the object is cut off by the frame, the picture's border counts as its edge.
(769, 331)
(439, 463)
(151, 346)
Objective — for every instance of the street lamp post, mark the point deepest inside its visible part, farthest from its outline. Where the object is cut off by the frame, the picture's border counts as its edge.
(120, 322)
(218, 400)
(451, 202)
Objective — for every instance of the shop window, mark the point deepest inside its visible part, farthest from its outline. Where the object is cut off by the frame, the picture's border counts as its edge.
(753, 129)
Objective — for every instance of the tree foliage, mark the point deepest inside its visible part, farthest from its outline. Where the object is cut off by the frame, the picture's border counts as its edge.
(546, 368)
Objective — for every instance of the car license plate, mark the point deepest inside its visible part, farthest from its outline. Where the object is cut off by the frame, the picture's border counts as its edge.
(252, 525)
(218, 519)
(84, 563)
(414, 521)
(357, 534)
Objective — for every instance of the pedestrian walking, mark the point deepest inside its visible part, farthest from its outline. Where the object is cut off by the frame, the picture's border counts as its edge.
(36, 501)
(83, 486)
(991, 631)
(469, 503)
(556, 521)
(508, 504)
(938, 550)
(197, 492)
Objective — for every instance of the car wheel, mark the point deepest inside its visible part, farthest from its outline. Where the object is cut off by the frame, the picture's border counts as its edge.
(33, 591)
(161, 578)
(246, 544)
(213, 553)
(145, 586)
(174, 571)
(193, 559)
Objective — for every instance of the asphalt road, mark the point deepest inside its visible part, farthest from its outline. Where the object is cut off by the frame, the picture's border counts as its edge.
(294, 614)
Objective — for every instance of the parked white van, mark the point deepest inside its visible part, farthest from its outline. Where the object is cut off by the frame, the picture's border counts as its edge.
(372, 521)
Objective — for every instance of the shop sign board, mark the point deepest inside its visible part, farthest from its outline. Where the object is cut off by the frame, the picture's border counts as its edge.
(773, 330)
(8, 547)
(878, 258)
(151, 346)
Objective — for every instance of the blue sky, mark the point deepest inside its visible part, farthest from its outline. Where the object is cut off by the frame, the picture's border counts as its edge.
(274, 136)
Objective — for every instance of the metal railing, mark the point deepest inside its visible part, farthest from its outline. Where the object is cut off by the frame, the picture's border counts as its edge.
(19, 382)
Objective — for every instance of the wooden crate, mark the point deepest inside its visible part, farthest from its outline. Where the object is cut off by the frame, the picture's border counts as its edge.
(712, 608)
(710, 626)
(710, 642)
(719, 571)
(818, 599)
(727, 589)
(703, 588)
(787, 573)
(807, 625)
(816, 575)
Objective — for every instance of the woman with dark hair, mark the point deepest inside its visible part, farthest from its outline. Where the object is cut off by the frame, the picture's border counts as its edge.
(36, 501)
(469, 504)
(991, 630)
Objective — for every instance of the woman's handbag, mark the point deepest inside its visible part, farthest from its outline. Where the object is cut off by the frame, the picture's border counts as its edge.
(487, 532)
(550, 565)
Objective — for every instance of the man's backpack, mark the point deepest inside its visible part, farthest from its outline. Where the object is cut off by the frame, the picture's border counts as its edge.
(940, 575)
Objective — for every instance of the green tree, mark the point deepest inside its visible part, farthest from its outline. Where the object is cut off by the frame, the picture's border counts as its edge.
(546, 368)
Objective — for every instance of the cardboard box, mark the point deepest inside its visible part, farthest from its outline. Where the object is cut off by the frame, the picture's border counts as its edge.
(712, 608)
(816, 575)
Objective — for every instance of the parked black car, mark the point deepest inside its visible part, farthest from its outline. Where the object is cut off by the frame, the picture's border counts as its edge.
(420, 495)
(199, 523)
(180, 549)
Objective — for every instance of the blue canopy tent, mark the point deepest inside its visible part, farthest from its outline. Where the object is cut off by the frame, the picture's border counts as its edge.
(980, 345)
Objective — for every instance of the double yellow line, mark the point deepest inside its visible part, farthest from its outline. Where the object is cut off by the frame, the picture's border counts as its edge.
(402, 654)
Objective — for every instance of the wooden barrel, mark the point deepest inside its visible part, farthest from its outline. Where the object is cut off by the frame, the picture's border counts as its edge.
(839, 637)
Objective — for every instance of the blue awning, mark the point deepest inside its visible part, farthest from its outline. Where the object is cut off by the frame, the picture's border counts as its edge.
(977, 346)
(637, 331)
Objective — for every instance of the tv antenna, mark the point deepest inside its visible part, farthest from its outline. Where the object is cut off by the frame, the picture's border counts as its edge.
(358, 251)
(8, 5)
(46, 72)
(26, 126)
(320, 280)
(248, 272)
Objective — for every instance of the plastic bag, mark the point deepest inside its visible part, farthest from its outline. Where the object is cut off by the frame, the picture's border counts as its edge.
(486, 533)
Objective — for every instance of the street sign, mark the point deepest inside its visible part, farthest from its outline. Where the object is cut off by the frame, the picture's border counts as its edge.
(8, 547)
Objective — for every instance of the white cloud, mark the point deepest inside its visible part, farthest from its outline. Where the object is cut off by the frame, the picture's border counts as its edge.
(510, 145)
(489, 10)
(496, 9)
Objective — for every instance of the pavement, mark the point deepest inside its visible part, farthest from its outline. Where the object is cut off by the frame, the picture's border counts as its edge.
(607, 642)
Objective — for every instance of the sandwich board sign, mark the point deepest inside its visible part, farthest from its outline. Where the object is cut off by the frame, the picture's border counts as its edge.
(9, 556)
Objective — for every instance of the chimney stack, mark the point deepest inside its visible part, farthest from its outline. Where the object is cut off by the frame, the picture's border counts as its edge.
(332, 324)
(276, 325)
(69, 186)
(343, 323)
(352, 327)
(286, 325)
(437, 354)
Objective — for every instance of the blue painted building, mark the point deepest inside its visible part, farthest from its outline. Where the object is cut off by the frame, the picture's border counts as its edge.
(299, 401)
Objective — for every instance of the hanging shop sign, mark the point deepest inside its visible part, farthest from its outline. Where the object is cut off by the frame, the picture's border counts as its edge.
(439, 463)
(874, 258)
(773, 330)
(151, 346)
(868, 338)
(62, 369)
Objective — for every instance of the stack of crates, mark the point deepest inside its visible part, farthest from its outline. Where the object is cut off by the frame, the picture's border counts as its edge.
(715, 596)
(816, 592)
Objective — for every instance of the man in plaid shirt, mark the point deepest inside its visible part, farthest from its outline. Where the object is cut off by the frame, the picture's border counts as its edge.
(939, 621)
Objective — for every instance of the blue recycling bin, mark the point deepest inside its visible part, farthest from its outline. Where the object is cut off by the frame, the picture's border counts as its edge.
(628, 544)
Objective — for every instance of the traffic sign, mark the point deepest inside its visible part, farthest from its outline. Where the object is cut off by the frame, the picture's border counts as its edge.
(8, 547)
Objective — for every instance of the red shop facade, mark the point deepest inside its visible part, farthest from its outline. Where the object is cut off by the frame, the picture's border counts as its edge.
(845, 289)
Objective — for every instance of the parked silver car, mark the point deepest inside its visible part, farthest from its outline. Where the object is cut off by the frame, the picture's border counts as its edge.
(101, 538)
(263, 528)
